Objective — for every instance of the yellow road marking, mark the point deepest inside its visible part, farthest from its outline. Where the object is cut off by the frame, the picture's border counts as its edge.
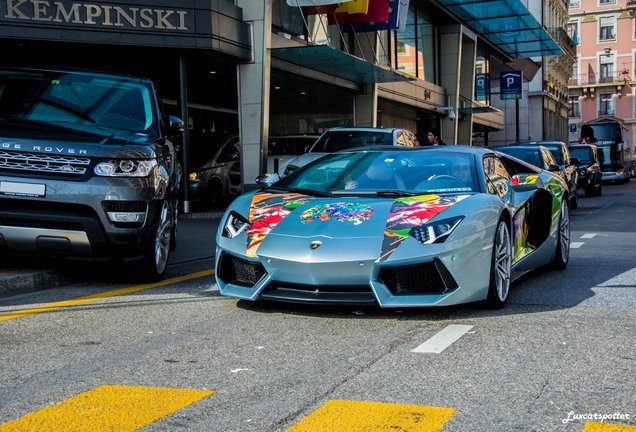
(607, 427)
(353, 416)
(73, 302)
(108, 408)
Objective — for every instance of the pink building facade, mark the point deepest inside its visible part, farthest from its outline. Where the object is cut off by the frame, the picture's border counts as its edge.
(603, 79)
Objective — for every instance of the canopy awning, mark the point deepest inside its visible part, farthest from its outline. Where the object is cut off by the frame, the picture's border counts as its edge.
(506, 24)
(338, 63)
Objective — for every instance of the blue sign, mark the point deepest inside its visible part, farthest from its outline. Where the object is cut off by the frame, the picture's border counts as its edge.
(510, 85)
(572, 127)
(482, 86)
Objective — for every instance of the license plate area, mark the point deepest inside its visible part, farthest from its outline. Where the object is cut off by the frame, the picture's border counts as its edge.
(22, 189)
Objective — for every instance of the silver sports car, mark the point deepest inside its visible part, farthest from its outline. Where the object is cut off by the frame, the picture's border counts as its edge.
(396, 227)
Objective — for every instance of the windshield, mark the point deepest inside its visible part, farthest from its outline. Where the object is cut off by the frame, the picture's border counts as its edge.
(607, 131)
(583, 153)
(286, 146)
(83, 100)
(392, 172)
(556, 152)
(333, 141)
(612, 157)
(532, 156)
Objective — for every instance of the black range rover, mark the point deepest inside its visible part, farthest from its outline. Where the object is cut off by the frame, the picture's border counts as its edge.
(88, 167)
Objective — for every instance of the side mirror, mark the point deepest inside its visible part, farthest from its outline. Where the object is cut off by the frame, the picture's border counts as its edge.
(553, 168)
(268, 179)
(575, 160)
(525, 182)
(176, 124)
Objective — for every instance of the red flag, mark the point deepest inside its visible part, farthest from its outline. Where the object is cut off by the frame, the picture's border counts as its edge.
(378, 12)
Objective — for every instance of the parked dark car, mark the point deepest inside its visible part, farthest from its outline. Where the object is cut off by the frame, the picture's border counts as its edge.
(88, 167)
(567, 164)
(589, 168)
(212, 183)
(538, 156)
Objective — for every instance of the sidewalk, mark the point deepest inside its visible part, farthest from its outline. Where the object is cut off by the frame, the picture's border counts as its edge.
(195, 239)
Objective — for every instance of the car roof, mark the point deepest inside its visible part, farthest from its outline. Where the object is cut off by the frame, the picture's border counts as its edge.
(364, 129)
(532, 143)
(581, 145)
(528, 147)
(452, 148)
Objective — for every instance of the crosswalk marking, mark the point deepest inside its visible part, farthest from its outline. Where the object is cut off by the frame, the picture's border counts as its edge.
(576, 245)
(73, 302)
(443, 339)
(108, 408)
(588, 236)
(359, 416)
(608, 427)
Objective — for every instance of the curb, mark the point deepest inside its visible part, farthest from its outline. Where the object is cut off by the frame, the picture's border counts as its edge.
(24, 281)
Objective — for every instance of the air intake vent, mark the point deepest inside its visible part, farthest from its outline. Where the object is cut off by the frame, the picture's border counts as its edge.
(237, 271)
(424, 278)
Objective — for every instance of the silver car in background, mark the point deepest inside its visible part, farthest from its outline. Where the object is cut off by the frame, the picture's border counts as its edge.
(341, 138)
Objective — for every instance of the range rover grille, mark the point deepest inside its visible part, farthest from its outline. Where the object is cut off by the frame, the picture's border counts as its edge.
(23, 162)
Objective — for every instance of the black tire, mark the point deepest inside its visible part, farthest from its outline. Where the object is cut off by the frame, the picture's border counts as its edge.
(157, 247)
(562, 251)
(214, 195)
(499, 286)
(599, 189)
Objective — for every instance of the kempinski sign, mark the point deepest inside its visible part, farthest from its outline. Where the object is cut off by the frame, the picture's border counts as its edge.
(93, 14)
(191, 24)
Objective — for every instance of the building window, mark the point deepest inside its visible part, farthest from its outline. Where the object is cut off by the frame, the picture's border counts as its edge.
(606, 104)
(575, 3)
(415, 46)
(606, 70)
(606, 29)
(573, 32)
(575, 109)
(604, 2)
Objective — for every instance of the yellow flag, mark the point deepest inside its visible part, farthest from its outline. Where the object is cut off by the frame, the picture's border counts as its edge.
(353, 6)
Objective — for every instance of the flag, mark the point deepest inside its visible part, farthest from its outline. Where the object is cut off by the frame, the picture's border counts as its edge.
(315, 10)
(392, 21)
(297, 3)
(403, 11)
(354, 6)
(378, 12)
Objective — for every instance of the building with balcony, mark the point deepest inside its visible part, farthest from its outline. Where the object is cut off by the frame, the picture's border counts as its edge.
(602, 79)
(542, 111)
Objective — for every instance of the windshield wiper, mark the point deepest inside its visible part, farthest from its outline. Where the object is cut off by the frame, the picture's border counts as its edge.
(302, 191)
(380, 193)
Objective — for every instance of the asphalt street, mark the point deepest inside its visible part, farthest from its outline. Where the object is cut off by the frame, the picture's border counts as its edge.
(561, 351)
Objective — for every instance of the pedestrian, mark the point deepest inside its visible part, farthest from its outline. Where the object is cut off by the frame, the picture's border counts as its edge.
(433, 137)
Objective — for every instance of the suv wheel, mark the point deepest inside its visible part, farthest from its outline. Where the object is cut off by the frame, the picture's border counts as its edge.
(157, 247)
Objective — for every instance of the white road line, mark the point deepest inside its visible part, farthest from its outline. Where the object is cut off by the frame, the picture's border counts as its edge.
(443, 339)
(576, 245)
(588, 236)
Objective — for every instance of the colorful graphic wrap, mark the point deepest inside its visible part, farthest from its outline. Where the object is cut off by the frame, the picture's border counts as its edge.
(524, 179)
(340, 211)
(521, 228)
(266, 211)
(409, 212)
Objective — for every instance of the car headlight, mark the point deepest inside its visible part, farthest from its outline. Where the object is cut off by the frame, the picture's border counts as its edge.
(582, 172)
(125, 168)
(435, 232)
(234, 225)
(194, 176)
(290, 169)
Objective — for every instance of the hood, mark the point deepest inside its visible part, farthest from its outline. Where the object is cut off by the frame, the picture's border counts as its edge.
(292, 218)
(72, 139)
(306, 158)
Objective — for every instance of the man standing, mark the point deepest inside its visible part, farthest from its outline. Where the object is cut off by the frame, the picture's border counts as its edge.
(433, 138)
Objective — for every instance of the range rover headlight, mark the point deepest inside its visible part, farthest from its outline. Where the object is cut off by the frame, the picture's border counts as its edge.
(234, 225)
(125, 168)
(435, 232)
